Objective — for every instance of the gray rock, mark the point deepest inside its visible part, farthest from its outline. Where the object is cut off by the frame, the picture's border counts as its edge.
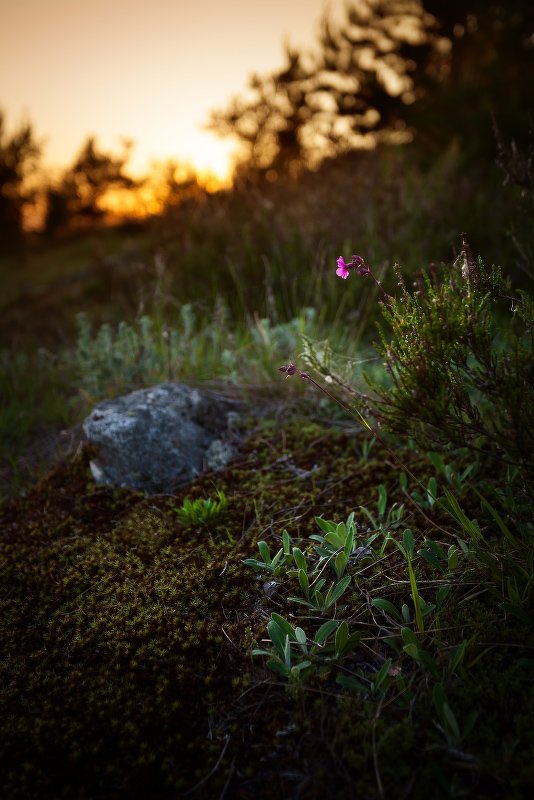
(156, 439)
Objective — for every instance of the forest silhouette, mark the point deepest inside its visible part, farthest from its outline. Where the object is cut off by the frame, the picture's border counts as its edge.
(391, 72)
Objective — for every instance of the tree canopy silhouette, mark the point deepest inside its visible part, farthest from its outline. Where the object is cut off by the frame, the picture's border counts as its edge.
(19, 155)
(390, 67)
(76, 200)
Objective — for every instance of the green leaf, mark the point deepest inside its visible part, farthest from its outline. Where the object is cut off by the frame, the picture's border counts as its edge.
(524, 663)
(408, 542)
(453, 556)
(300, 666)
(278, 637)
(301, 637)
(302, 602)
(299, 558)
(382, 500)
(342, 636)
(265, 553)
(277, 666)
(383, 674)
(426, 608)
(349, 541)
(347, 682)
(457, 656)
(436, 549)
(324, 525)
(469, 724)
(277, 558)
(451, 505)
(412, 650)
(416, 598)
(442, 594)
(427, 661)
(334, 539)
(325, 630)
(451, 721)
(431, 559)
(505, 530)
(287, 652)
(409, 637)
(286, 542)
(387, 606)
(341, 562)
(304, 582)
(432, 491)
(253, 562)
(335, 593)
(369, 516)
(439, 698)
(286, 626)
(437, 462)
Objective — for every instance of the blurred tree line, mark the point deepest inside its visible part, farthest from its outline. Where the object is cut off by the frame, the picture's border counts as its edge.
(391, 70)
(71, 202)
(388, 72)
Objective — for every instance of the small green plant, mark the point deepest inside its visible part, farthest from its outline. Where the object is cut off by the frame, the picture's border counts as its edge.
(294, 655)
(447, 723)
(386, 518)
(434, 554)
(412, 647)
(202, 511)
(508, 561)
(274, 564)
(314, 597)
(336, 545)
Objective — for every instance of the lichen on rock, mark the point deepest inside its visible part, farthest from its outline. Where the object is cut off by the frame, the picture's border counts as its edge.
(155, 439)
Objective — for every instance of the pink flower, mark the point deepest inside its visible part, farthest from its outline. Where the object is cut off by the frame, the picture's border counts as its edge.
(342, 268)
(356, 263)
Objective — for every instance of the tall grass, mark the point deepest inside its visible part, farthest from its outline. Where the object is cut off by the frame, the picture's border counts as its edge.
(222, 287)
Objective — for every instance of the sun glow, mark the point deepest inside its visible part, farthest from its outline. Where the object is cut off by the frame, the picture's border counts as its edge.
(169, 181)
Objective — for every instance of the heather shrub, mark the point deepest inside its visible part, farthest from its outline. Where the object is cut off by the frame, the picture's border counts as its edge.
(458, 350)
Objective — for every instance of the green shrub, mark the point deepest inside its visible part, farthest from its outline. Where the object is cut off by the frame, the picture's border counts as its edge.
(459, 355)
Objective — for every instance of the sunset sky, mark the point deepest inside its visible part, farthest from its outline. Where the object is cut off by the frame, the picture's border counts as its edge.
(149, 70)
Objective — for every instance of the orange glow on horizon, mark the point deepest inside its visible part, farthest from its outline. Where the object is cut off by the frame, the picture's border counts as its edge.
(151, 72)
(153, 197)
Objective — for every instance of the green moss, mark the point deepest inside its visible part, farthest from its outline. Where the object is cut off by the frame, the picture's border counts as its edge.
(127, 637)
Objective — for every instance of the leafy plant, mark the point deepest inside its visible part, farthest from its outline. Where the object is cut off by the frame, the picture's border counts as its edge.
(202, 511)
(509, 561)
(314, 597)
(336, 546)
(270, 563)
(386, 518)
(447, 723)
(294, 655)
(461, 370)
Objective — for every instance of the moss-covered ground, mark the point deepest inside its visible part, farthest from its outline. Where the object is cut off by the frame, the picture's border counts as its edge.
(127, 637)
